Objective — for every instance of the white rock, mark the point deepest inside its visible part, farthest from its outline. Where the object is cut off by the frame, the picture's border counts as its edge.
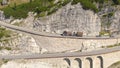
(13, 64)
(72, 18)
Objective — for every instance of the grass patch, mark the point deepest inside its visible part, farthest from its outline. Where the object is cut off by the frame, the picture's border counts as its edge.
(4, 33)
(46, 7)
(65, 2)
(41, 7)
(5, 60)
(12, 2)
(108, 14)
(86, 4)
(110, 46)
(102, 33)
(116, 2)
(20, 11)
(7, 48)
(1, 1)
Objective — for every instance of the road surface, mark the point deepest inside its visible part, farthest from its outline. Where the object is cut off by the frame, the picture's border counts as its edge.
(61, 55)
(45, 34)
(57, 55)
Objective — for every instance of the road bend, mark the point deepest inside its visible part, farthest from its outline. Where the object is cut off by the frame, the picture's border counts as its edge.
(45, 34)
(61, 55)
(57, 55)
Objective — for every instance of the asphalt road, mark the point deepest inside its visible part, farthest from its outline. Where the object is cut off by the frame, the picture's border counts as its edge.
(61, 55)
(57, 55)
(45, 34)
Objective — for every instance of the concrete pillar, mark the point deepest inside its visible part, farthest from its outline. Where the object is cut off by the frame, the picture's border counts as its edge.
(79, 61)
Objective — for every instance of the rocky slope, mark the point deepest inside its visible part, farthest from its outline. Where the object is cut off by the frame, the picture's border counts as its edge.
(19, 44)
(26, 65)
(71, 18)
(115, 25)
(74, 18)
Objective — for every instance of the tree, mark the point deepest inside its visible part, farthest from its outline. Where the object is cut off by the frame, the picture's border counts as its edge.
(117, 2)
(30, 1)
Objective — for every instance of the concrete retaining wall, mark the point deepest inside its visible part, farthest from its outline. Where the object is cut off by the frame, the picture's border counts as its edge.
(70, 44)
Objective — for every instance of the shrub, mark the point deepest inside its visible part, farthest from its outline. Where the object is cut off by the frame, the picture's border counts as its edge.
(65, 2)
(1, 1)
(20, 11)
(4, 33)
(7, 48)
(5, 60)
(110, 14)
(104, 32)
(86, 4)
(117, 2)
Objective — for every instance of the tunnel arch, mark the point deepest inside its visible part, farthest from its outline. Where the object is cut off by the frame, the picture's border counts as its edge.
(101, 61)
(68, 61)
(79, 61)
(91, 61)
(115, 65)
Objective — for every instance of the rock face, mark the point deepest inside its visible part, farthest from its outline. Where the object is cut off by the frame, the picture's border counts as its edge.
(72, 18)
(20, 44)
(2, 17)
(37, 63)
(27, 65)
(4, 2)
(28, 44)
(116, 21)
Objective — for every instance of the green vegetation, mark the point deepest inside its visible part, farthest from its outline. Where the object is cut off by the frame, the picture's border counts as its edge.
(65, 2)
(110, 46)
(3, 47)
(97, 1)
(1, 1)
(102, 33)
(4, 33)
(113, 45)
(7, 48)
(47, 7)
(109, 14)
(117, 2)
(20, 11)
(86, 4)
(90, 4)
(115, 65)
(5, 60)
(41, 7)
(12, 2)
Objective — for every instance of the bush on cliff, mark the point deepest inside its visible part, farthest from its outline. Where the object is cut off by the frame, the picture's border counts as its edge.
(117, 2)
(86, 4)
(20, 11)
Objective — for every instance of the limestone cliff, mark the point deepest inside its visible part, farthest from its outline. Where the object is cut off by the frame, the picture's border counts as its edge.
(19, 44)
(71, 18)
(115, 25)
